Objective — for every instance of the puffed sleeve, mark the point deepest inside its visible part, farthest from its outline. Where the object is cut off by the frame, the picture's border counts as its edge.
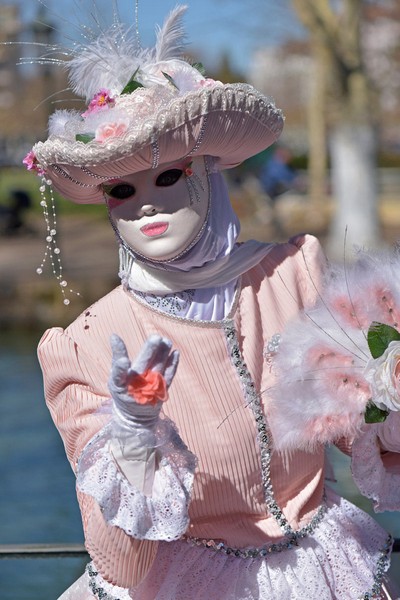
(375, 463)
(75, 388)
(311, 264)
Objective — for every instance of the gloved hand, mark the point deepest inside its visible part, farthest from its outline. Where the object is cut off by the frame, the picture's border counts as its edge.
(138, 390)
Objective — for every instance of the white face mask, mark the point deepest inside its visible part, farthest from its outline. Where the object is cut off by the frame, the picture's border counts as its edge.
(160, 213)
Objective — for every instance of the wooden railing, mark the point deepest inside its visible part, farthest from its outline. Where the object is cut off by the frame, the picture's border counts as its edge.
(67, 550)
(43, 551)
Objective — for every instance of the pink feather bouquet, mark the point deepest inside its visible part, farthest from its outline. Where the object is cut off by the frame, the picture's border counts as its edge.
(338, 363)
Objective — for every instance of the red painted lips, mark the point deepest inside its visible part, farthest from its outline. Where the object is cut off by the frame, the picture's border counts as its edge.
(154, 229)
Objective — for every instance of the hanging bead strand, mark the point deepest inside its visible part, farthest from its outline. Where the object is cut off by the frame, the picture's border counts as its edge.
(52, 251)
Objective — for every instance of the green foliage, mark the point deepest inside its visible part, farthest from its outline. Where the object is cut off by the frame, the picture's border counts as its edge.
(200, 67)
(84, 137)
(379, 337)
(132, 84)
(373, 414)
(172, 82)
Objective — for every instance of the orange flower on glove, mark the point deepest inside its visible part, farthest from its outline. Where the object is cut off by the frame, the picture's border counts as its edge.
(148, 388)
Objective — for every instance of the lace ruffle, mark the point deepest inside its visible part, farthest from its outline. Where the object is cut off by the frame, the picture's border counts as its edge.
(347, 558)
(164, 515)
(374, 479)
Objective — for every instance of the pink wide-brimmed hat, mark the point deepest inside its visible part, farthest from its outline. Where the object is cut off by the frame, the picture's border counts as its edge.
(147, 107)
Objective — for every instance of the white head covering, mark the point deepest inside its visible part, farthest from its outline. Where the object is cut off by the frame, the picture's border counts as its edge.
(210, 268)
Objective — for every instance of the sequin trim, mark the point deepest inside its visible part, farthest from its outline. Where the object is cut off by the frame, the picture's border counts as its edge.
(171, 304)
(94, 175)
(155, 152)
(66, 175)
(253, 400)
(200, 138)
(382, 566)
(96, 590)
(261, 552)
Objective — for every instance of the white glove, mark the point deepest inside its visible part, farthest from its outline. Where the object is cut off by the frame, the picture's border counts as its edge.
(138, 390)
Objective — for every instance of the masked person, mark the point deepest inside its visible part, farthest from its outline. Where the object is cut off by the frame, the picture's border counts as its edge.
(186, 498)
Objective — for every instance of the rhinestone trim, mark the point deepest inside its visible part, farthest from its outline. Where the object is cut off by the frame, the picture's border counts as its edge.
(96, 590)
(253, 401)
(200, 138)
(261, 552)
(381, 568)
(155, 152)
(64, 174)
(100, 177)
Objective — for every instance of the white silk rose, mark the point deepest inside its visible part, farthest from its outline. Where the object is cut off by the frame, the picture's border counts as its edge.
(383, 375)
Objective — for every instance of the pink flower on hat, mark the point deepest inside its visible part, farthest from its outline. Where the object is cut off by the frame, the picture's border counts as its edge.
(107, 131)
(100, 101)
(31, 163)
(208, 82)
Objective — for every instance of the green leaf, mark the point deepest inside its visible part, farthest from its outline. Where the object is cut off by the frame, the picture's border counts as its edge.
(84, 137)
(172, 82)
(379, 337)
(200, 67)
(373, 414)
(132, 84)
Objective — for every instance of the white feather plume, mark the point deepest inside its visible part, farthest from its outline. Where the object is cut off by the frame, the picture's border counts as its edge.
(170, 41)
(110, 60)
(59, 120)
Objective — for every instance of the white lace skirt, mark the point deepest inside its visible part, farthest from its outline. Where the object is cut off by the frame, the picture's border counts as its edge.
(345, 559)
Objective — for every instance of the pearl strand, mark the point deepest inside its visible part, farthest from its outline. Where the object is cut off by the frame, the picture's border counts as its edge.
(52, 251)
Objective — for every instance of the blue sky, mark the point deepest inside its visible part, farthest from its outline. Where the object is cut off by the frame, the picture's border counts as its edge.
(213, 26)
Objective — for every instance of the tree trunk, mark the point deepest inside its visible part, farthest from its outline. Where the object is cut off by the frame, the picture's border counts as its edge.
(354, 187)
(349, 112)
(317, 152)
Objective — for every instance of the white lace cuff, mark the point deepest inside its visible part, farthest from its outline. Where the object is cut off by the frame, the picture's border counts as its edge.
(376, 472)
(161, 516)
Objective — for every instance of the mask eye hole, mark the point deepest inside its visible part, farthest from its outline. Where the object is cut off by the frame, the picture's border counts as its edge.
(120, 191)
(168, 178)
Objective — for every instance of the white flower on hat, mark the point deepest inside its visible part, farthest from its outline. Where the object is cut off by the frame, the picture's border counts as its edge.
(178, 73)
(383, 375)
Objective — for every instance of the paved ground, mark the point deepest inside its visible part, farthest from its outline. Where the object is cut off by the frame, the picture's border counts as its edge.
(90, 262)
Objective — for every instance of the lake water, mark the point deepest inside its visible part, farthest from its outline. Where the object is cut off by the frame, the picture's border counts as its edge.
(37, 489)
(37, 497)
